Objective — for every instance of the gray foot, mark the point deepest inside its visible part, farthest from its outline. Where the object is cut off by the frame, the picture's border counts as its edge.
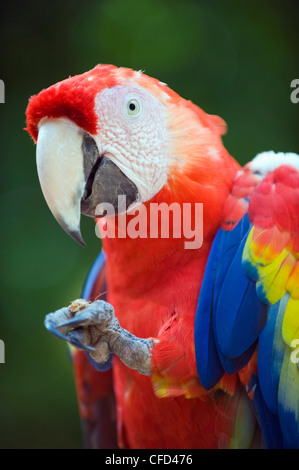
(93, 327)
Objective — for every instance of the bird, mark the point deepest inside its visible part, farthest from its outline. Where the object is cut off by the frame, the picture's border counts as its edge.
(186, 333)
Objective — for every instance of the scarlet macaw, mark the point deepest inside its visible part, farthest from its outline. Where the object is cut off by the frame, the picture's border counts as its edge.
(203, 356)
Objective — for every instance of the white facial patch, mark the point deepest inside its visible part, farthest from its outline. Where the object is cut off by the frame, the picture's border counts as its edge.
(266, 162)
(133, 134)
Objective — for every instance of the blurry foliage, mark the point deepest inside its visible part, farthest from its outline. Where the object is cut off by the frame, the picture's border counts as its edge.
(232, 58)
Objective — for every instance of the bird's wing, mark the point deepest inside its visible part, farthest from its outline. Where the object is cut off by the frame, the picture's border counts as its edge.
(247, 319)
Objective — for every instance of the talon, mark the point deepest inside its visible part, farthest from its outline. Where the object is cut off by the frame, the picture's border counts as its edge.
(78, 344)
(76, 338)
(52, 328)
(73, 322)
(60, 320)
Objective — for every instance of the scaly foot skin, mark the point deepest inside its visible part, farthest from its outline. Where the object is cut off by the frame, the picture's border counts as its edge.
(93, 327)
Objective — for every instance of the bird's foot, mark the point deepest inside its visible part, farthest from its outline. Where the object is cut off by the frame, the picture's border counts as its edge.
(93, 327)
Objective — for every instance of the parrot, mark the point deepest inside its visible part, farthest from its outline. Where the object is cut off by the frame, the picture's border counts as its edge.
(174, 346)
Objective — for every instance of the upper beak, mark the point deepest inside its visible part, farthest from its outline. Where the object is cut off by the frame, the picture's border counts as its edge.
(74, 177)
(60, 170)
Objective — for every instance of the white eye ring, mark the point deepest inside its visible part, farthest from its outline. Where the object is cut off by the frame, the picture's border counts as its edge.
(133, 107)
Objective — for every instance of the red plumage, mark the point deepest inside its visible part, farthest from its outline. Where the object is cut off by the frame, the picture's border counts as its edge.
(72, 98)
(275, 203)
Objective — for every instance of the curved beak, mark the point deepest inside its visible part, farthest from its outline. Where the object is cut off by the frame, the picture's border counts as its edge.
(61, 173)
(74, 177)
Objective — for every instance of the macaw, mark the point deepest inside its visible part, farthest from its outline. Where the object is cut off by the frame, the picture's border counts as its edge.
(175, 346)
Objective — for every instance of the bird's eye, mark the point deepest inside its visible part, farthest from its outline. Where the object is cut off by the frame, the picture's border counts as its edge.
(133, 107)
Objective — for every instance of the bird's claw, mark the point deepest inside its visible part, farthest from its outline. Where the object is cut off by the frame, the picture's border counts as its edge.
(93, 327)
(76, 338)
(74, 322)
(71, 323)
(52, 328)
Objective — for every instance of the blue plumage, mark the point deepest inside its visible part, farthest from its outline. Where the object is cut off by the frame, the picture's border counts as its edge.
(288, 401)
(271, 352)
(230, 322)
(209, 365)
(240, 316)
(92, 275)
(268, 421)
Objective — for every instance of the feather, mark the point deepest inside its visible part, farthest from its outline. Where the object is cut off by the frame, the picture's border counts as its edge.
(244, 424)
(290, 325)
(239, 316)
(209, 366)
(93, 275)
(271, 353)
(268, 421)
(211, 362)
(288, 401)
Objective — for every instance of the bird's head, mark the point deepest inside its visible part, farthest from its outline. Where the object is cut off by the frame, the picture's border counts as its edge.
(113, 131)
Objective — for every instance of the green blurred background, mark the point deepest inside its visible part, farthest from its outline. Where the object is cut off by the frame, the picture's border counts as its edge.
(236, 59)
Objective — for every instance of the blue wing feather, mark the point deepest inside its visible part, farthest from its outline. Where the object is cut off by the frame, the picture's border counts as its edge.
(230, 319)
(240, 316)
(268, 421)
(271, 353)
(209, 365)
(92, 275)
(229, 244)
(225, 334)
(288, 403)
(230, 255)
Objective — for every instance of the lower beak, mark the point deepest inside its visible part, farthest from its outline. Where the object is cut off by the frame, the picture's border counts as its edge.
(74, 177)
